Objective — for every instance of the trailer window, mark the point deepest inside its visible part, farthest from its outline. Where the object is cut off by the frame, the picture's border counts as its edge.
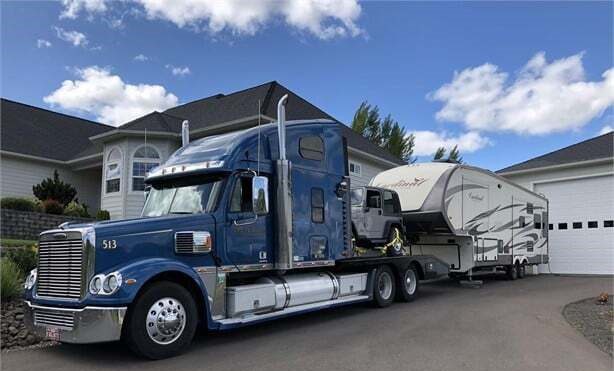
(317, 205)
(550, 226)
(529, 208)
(241, 199)
(389, 208)
(537, 221)
(311, 148)
(529, 246)
(521, 222)
(374, 199)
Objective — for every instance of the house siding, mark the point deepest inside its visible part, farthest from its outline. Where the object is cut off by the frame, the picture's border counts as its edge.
(369, 169)
(18, 175)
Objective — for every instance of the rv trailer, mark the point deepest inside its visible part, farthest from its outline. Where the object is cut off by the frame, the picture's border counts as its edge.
(469, 217)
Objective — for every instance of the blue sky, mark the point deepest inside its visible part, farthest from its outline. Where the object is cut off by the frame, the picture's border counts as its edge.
(525, 72)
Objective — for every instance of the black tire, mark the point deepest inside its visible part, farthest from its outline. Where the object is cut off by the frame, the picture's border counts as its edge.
(136, 334)
(512, 272)
(384, 286)
(395, 250)
(522, 271)
(408, 290)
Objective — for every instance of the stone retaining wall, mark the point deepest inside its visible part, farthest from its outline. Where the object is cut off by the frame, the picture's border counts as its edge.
(28, 225)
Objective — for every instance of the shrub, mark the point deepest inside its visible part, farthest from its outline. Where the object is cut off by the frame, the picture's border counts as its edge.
(10, 279)
(55, 189)
(18, 203)
(103, 215)
(23, 257)
(76, 209)
(51, 206)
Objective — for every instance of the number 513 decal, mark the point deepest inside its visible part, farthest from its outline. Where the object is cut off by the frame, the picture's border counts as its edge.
(109, 244)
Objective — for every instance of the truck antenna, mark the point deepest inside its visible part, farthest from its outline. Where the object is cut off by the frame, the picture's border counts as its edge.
(259, 116)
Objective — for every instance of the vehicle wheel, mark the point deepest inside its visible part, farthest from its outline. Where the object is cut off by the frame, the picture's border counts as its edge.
(162, 321)
(395, 242)
(522, 270)
(384, 287)
(512, 272)
(408, 284)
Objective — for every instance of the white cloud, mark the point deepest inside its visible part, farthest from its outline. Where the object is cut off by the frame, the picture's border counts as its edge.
(542, 98)
(324, 19)
(606, 129)
(96, 91)
(72, 8)
(427, 142)
(178, 71)
(74, 37)
(42, 43)
(141, 58)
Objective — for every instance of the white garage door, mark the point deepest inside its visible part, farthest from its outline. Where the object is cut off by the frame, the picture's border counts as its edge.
(581, 227)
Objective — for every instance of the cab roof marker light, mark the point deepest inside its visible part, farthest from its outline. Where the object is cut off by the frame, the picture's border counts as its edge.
(186, 168)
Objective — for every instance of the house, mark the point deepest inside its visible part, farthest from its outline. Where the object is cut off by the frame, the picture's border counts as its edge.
(579, 183)
(107, 165)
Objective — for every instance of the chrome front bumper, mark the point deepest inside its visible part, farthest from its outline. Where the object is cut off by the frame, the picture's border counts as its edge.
(80, 326)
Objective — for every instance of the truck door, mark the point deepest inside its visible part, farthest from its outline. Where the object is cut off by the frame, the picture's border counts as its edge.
(374, 223)
(248, 234)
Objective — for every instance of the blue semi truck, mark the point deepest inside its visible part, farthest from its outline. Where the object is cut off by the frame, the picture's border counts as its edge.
(236, 229)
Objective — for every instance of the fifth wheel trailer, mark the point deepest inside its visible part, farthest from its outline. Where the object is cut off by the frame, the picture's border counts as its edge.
(471, 218)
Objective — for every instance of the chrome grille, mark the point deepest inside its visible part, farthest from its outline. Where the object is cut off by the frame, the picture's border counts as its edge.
(59, 319)
(60, 266)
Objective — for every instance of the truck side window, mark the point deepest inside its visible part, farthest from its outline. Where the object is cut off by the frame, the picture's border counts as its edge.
(317, 205)
(241, 199)
(374, 199)
(311, 148)
(388, 203)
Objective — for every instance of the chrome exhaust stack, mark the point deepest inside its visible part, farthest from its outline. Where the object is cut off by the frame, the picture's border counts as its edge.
(284, 255)
(185, 133)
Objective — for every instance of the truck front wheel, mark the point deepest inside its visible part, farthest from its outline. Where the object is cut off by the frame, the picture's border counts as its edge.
(384, 286)
(162, 321)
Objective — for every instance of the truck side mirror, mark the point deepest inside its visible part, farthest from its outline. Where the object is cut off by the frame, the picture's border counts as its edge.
(260, 194)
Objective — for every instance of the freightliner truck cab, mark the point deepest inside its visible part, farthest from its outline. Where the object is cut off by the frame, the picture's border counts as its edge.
(236, 229)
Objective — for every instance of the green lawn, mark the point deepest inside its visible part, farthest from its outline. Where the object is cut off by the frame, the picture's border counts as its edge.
(7, 242)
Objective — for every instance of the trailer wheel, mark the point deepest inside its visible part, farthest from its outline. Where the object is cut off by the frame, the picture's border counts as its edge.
(512, 272)
(408, 284)
(162, 322)
(395, 242)
(522, 270)
(384, 286)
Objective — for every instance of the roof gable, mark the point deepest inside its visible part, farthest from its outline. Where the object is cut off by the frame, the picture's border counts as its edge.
(592, 149)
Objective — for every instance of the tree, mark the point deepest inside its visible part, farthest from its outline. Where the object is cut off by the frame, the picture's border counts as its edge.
(386, 133)
(439, 154)
(455, 156)
(55, 189)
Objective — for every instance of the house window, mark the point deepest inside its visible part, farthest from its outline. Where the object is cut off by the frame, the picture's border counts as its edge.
(113, 171)
(592, 224)
(576, 225)
(317, 205)
(608, 223)
(145, 159)
(562, 225)
(355, 168)
(311, 148)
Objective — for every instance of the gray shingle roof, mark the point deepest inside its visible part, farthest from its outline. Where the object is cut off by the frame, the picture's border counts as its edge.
(591, 149)
(42, 133)
(39, 132)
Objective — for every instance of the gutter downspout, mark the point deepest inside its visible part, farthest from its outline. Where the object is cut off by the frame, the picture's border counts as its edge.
(284, 254)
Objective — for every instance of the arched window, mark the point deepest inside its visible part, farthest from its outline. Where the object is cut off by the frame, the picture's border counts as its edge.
(145, 159)
(113, 171)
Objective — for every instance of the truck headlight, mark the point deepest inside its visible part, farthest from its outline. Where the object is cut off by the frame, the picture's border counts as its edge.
(105, 284)
(30, 280)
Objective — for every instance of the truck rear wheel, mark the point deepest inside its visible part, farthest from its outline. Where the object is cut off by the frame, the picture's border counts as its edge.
(384, 286)
(162, 321)
(407, 284)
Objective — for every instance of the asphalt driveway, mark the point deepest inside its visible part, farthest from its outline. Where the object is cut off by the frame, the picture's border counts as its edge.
(502, 326)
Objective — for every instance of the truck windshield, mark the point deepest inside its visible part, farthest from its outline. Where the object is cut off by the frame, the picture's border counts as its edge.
(356, 195)
(164, 199)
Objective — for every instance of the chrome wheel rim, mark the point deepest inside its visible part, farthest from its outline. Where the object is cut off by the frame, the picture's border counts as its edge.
(165, 320)
(384, 285)
(410, 281)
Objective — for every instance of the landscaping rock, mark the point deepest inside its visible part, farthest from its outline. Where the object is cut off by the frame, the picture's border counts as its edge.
(595, 321)
(13, 332)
